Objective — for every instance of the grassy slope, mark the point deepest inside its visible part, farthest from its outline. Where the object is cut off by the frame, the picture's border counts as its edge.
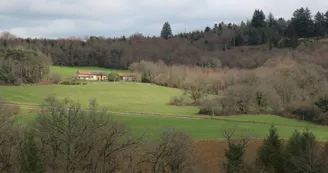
(70, 71)
(200, 129)
(130, 97)
(148, 99)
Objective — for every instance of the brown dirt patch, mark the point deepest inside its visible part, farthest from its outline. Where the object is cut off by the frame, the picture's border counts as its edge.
(212, 152)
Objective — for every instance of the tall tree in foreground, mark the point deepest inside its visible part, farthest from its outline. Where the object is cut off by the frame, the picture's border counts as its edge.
(271, 153)
(303, 153)
(235, 154)
(166, 32)
(76, 140)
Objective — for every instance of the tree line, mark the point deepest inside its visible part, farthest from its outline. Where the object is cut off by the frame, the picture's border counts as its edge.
(222, 42)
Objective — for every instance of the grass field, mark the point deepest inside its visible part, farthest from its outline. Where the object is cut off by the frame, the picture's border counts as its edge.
(70, 71)
(145, 98)
(201, 129)
(127, 97)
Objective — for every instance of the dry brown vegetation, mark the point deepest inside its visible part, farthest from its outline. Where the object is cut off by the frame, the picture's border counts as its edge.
(288, 83)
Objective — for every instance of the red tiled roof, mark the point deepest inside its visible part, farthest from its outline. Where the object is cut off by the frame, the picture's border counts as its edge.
(83, 73)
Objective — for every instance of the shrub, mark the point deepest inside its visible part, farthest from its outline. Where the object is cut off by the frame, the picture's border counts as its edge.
(55, 77)
(114, 77)
(73, 82)
(180, 100)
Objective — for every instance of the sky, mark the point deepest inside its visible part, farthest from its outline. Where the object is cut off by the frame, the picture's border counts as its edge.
(115, 18)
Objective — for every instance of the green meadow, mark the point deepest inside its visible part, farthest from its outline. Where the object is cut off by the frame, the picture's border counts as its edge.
(123, 97)
(202, 129)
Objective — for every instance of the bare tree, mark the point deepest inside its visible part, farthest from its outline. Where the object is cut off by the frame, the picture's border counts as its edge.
(227, 36)
(7, 35)
(77, 140)
(175, 153)
(10, 140)
(196, 87)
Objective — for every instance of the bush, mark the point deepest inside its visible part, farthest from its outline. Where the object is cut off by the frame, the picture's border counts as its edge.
(55, 77)
(180, 100)
(114, 77)
(73, 82)
(305, 113)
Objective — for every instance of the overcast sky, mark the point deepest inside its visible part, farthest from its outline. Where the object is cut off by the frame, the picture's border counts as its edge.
(114, 18)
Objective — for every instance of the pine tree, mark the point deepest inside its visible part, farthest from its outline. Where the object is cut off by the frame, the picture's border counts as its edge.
(319, 24)
(229, 25)
(271, 22)
(242, 24)
(281, 26)
(207, 29)
(271, 153)
(302, 22)
(303, 153)
(326, 22)
(254, 37)
(166, 32)
(258, 20)
(221, 26)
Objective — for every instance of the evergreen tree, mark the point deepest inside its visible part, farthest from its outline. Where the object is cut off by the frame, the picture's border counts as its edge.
(302, 22)
(242, 24)
(254, 37)
(31, 161)
(271, 153)
(239, 39)
(230, 26)
(303, 153)
(207, 29)
(258, 20)
(281, 26)
(271, 22)
(221, 26)
(319, 24)
(166, 32)
(326, 22)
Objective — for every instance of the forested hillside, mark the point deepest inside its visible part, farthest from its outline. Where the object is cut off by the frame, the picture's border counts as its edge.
(221, 45)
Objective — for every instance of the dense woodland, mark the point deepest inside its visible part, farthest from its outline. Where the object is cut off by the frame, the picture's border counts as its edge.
(215, 46)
